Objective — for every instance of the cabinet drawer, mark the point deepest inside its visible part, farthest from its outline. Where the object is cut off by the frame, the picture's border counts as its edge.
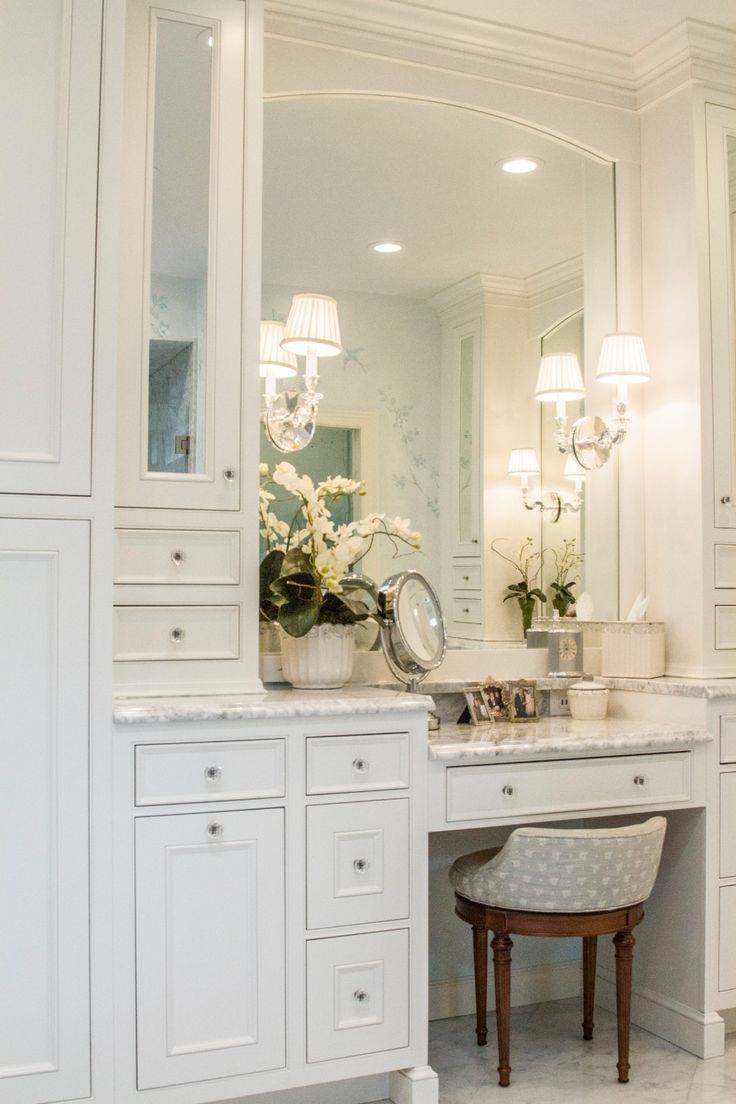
(175, 632)
(358, 858)
(169, 773)
(727, 938)
(728, 738)
(466, 576)
(189, 556)
(466, 611)
(349, 764)
(357, 995)
(480, 792)
(728, 824)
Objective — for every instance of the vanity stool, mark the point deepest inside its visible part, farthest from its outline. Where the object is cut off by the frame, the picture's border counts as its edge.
(566, 882)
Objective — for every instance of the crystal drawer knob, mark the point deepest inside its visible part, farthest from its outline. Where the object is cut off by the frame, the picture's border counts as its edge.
(229, 475)
(726, 500)
(215, 830)
(360, 766)
(360, 996)
(466, 578)
(640, 780)
(177, 635)
(360, 865)
(177, 557)
(507, 790)
(213, 773)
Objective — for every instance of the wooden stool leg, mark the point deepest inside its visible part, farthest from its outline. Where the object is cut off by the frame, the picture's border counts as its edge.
(590, 948)
(502, 979)
(623, 941)
(480, 962)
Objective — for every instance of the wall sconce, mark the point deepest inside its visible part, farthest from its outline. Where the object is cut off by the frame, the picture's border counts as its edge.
(523, 463)
(591, 440)
(311, 330)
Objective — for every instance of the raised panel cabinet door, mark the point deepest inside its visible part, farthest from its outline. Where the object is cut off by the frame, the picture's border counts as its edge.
(50, 92)
(209, 945)
(178, 442)
(44, 903)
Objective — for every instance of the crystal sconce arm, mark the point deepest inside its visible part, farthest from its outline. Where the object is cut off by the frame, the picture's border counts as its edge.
(523, 463)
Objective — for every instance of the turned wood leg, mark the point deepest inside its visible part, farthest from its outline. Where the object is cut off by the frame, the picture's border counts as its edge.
(480, 963)
(502, 980)
(590, 948)
(623, 941)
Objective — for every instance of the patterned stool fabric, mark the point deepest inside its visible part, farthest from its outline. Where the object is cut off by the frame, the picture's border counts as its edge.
(564, 870)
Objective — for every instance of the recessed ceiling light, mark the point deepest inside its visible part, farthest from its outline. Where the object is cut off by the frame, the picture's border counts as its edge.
(519, 165)
(387, 247)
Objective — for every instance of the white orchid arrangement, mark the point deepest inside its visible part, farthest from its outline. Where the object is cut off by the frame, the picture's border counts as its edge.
(303, 574)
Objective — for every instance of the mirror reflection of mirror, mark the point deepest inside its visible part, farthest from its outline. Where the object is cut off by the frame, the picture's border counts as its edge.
(442, 339)
(180, 217)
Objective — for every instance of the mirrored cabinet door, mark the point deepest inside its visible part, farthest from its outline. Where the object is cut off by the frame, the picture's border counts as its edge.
(721, 144)
(181, 288)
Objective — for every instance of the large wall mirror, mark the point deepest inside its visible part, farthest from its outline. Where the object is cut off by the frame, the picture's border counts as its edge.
(343, 172)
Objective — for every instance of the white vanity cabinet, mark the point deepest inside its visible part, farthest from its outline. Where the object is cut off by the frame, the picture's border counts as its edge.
(50, 83)
(277, 932)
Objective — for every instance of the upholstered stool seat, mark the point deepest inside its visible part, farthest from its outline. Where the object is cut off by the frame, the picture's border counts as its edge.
(566, 882)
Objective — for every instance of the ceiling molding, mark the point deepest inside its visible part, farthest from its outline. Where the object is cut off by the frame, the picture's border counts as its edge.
(553, 282)
(691, 52)
(487, 289)
(473, 47)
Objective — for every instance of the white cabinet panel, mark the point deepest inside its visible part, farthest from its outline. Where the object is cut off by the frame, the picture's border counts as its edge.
(177, 556)
(242, 769)
(728, 824)
(357, 994)
(49, 85)
(727, 938)
(44, 919)
(358, 859)
(175, 632)
(728, 738)
(350, 764)
(209, 945)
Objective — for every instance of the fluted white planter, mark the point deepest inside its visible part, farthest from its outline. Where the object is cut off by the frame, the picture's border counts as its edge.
(320, 660)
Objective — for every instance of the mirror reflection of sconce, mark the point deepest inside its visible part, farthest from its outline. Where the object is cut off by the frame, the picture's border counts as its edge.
(524, 464)
(311, 330)
(591, 440)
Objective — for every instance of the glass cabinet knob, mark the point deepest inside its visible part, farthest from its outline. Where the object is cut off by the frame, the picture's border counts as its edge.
(507, 790)
(360, 865)
(177, 635)
(215, 830)
(213, 773)
(360, 996)
(229, 475)
(177, 557)
(640, 780)
(360, 765)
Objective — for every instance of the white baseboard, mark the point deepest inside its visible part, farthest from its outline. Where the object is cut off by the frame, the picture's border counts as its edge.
(359, 1090)
(700, 1033)
(529, 985)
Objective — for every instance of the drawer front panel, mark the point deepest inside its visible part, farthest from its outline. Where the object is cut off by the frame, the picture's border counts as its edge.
(171, 773)
(725, 627)
(727, 938)
(725, 573)
(357, 995)
(466, 577)
(175, 632)
(728, 826)
(183, 556)
(466, 610)
(358, 858)
(480, 792)
(728, 738)
(350, 764)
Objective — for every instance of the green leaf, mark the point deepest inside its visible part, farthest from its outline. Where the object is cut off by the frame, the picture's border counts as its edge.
(297, 597)
(268, 572)
(296, 560)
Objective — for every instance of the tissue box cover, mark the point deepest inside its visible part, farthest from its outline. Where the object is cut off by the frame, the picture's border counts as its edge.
(632, 649)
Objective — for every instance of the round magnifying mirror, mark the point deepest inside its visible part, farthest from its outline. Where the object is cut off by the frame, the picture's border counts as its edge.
(412, 627)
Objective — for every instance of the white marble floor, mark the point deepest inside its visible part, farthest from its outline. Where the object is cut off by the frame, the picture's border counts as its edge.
(552, 1065)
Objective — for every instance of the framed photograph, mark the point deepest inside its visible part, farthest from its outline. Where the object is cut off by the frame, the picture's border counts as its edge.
(496, 696)
(523, 700)
(477, 706)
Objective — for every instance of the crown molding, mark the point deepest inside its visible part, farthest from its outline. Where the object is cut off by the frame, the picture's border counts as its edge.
(475, 47)
(487, 289)
(691, 52)
(555, 281)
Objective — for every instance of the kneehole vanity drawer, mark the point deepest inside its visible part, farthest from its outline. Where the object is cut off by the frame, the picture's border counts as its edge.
(349, 764)
(189, 556)
(358, 858)
(175, 632)
(466, 610)
(357, 995)
(480, 792)
(168, 774)
(466, 577)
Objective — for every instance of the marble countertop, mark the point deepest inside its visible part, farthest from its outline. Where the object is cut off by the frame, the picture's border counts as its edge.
(349, 701)
(710, 689)
(559, 737)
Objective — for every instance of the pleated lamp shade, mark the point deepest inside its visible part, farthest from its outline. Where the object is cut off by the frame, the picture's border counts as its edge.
(523, 462)
(560, 378)
(623, 359)
(312, 327)
(573, 470)
(275, 361)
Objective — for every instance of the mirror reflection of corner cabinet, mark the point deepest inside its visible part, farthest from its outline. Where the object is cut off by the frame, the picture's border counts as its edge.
(183, 607)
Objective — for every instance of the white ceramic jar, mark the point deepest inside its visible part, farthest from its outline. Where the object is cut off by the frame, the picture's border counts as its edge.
(588, 700)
